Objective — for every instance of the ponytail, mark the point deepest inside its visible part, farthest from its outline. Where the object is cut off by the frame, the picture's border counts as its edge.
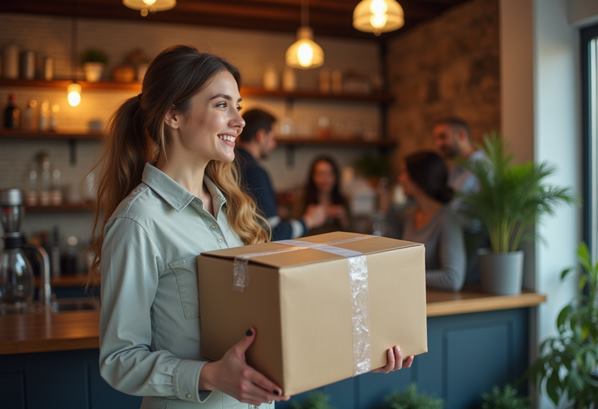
(126, 150)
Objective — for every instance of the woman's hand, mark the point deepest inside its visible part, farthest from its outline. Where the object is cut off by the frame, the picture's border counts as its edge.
(395, 361)
(233, 376)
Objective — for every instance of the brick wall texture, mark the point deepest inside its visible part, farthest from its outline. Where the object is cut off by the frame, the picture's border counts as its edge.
(449, 66)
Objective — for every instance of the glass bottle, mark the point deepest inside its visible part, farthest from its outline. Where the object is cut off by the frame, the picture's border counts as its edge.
(12, 114)
(16, 276)
(44, 178)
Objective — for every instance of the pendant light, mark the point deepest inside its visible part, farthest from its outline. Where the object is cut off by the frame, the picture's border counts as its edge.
(74, 88)
(304, 53)
(378, 16)
(149, 6)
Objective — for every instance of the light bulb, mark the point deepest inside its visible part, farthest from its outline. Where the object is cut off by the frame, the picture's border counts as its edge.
(149, 2)
(378, 20)
(378, 7)
(305, 55)
(74, 94)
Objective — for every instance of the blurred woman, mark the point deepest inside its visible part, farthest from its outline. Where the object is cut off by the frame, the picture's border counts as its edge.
(323, 188)
(429, 219)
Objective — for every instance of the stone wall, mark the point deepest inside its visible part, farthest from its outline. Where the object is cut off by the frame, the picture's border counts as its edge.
(449, 66)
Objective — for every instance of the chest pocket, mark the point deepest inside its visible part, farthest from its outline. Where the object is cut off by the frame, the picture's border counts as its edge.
(185, 272)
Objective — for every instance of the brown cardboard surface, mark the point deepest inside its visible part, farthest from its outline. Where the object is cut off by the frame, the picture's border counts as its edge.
(300, 303)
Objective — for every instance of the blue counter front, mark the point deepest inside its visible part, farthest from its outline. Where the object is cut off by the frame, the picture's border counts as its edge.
(475, 341)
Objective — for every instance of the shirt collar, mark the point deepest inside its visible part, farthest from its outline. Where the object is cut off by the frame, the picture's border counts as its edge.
(174, 194)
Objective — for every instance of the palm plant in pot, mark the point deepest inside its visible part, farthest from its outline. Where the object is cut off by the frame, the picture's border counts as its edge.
(510, 200)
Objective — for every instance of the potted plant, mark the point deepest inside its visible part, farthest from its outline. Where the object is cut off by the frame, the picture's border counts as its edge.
(93, 61)
(567, 366)
(410, 399)
(315, 400)
(504, 398)
(510, 201)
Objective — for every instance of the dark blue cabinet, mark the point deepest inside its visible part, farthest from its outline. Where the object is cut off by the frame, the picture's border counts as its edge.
(468, 354)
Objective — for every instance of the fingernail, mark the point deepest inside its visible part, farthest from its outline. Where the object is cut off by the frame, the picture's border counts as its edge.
(249, 332)
(276, 392)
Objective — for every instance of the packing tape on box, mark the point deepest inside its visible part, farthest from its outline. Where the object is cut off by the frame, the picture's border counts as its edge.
(358, 279)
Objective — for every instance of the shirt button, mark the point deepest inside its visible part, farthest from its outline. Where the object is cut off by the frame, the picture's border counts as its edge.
(188, 396)
(214, 227)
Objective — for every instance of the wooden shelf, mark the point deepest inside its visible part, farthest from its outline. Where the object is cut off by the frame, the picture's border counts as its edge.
(245, 91)
(64, 208)
(282, 141)
(63, 84)
(40, 135)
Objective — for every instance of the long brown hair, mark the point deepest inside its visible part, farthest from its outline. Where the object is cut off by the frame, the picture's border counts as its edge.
(137, 136)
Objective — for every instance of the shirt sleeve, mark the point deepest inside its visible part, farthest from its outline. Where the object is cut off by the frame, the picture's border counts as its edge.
(130, 266)
(451, 256)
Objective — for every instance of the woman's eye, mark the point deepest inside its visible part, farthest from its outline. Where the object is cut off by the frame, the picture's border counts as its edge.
(239, 108)
(221, 104)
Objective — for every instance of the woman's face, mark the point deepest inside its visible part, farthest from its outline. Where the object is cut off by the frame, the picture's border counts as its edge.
(212, 124)
(324, 178)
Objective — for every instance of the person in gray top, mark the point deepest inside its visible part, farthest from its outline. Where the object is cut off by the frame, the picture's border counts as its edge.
(430, 220)
(168, 192)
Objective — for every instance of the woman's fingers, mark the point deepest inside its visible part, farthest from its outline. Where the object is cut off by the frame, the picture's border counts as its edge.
(408, 361)
(273, 391)
(398, 358)
(395, 361)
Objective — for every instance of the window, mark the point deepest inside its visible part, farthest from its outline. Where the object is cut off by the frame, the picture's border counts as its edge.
(589, 55)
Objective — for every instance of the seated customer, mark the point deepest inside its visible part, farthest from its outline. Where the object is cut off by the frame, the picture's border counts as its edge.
(323, 189)
(430, 220)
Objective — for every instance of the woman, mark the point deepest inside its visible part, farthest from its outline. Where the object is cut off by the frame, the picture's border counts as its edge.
(168, 192)
(323, 188)
(424, 179)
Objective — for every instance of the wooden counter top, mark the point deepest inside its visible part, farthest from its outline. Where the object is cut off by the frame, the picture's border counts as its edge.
(47, 331)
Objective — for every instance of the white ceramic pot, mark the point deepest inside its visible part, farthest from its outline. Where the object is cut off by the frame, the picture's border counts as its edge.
(93, 71)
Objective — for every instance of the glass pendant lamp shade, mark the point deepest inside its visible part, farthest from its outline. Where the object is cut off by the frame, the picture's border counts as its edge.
(378, 16)
(147, 6)
(74, 94)
(304, 53)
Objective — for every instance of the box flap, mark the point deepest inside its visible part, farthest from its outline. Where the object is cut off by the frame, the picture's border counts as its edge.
(276, 254)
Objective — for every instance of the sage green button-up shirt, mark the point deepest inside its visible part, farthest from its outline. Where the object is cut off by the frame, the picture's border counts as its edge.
(149, 325)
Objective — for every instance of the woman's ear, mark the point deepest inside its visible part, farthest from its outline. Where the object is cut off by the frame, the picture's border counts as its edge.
(173, 118)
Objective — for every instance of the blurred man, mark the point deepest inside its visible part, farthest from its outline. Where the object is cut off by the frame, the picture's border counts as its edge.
(453, 140)
(256, 142)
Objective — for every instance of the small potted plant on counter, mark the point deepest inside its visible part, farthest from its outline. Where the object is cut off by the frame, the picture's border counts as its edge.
(411, 399)
(93, 61)
(567, 366)
(510, 201)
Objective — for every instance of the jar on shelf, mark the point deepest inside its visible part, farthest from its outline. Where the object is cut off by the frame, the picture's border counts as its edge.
(31, 185)
(56, 196)
(44, 187)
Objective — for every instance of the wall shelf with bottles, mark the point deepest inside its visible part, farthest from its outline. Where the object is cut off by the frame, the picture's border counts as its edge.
(245, 91)
(47, 135)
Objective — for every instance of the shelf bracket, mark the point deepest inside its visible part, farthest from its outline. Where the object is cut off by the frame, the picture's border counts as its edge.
(72, 152)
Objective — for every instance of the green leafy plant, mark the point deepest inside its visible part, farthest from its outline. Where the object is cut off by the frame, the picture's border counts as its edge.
(511, 197)
(567, 366)
(410, 399)
(315, 400)
(504, 398)
(94, 55)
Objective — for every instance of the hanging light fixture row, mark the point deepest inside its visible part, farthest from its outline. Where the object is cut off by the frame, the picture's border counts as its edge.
(149, 6)
(371, 16)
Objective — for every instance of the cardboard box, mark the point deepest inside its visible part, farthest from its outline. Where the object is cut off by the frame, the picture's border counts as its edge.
(304, 302)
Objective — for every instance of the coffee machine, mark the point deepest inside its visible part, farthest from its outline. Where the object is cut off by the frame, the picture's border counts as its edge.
(16, 273)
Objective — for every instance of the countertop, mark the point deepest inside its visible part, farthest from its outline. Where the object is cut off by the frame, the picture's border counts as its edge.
(46, 331)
